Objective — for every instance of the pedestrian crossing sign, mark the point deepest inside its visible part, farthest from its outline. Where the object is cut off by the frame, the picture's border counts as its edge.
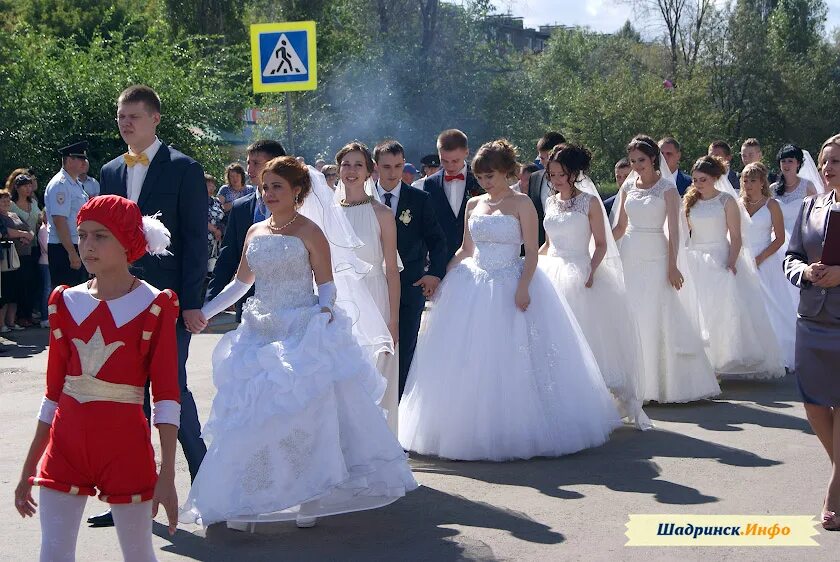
(283, 57)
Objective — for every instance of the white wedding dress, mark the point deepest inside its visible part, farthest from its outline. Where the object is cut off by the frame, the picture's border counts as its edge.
(601, 310)
(774, 285)
(490, 382)
(676, 366)
(734, 320)
(366, 226)
(791, 204)
(294, 428)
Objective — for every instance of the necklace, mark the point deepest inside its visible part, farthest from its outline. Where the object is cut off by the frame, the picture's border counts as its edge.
(365, 201)
(496, 203)
(279, 228)
(130, 287)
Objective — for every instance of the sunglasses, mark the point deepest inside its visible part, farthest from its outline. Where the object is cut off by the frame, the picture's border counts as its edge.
(23, 179)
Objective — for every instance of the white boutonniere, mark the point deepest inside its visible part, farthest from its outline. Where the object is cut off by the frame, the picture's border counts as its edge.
(405, 217)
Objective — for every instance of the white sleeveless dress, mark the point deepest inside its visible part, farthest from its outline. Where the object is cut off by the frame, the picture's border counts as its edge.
(774, 285)
(366, 226)
(676, 366)
(294, 428)
(602, 310)
(490, 382)
(733, 316)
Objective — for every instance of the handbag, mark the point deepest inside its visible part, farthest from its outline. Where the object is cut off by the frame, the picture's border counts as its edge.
(9, 259)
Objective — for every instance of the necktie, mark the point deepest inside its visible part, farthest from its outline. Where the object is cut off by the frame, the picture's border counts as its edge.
(453, 178)
(260, 211)
(388, 197)
(132, 159)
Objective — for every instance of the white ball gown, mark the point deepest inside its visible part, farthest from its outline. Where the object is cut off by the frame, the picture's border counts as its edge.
(774, 285)
(601, 310)
(676, 366)
(490, 382)
(294, 428)
(791, 203)
(366, 226)
(741, 343)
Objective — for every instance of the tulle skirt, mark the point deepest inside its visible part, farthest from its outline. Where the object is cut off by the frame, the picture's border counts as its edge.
(676, 366)
(733, 315)
(780, 305)
(491, 382)
(294, 427)
(604, 316)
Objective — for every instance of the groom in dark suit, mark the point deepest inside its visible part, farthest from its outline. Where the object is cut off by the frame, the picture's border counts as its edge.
(451, 187)
(538, 188)
(161, 179)
(418, 235)
(244, 213)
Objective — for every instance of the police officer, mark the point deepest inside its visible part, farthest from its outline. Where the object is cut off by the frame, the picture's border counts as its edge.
(63, 199)
(429, 165)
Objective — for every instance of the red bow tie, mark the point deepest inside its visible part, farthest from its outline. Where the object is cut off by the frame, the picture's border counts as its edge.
(453, 178)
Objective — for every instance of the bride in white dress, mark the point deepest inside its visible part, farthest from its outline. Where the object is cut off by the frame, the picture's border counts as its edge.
(294, 432)
(729, 296)
(676, 366)
(764, 234)
(375, 226)
(593, 286)
(502, 371)
(790, 189)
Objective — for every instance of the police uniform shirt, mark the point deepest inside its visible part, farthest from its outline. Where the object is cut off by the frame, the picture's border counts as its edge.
(64, 197)
(91, 186)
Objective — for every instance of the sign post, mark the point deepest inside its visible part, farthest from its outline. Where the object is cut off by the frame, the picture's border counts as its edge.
(284, 59)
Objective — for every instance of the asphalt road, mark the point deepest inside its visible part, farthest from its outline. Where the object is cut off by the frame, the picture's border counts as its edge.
(749, 452)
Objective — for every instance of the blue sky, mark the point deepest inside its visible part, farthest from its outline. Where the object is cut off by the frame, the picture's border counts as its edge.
(600, 15)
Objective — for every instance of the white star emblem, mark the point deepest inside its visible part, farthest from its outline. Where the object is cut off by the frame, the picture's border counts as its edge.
(94, 353)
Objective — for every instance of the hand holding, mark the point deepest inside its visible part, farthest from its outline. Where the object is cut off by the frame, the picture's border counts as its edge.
(429, 283)
(194, 320)
(327, 310)
(830, 277)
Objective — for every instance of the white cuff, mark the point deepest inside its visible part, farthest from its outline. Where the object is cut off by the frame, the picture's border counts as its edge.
(326, 295)
(166, 411)
(47, 412)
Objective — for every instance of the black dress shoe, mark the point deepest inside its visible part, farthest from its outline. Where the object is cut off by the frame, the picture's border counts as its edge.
(102, 520)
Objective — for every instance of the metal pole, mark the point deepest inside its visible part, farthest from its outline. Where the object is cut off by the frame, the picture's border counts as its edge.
(289, 146)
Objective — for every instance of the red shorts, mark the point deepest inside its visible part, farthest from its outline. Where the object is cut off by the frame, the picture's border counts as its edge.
(99, 445)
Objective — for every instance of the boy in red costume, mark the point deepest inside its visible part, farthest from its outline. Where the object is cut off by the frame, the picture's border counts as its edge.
(107, 338)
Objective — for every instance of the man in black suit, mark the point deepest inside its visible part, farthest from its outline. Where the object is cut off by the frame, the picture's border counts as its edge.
(538, 188)
(418, 235)
(244, 213)
(722, 150)
(672, 152)
(451, 187)
(161, 179)
(621, 170)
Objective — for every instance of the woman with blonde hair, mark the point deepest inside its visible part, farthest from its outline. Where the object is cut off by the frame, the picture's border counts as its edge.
(764, 234)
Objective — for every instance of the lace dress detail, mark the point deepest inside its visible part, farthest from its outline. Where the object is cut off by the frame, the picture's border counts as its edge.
(527, 386)
(294, 419)
(797, 195)
(657, 190)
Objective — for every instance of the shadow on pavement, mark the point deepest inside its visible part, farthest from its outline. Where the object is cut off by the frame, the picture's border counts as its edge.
(24, 344)
(410, 529)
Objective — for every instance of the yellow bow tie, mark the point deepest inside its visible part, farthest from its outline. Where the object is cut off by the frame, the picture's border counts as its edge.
(131, 159)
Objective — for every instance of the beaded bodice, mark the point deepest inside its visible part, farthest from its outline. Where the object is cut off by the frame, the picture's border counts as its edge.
(283, 272)
(567, 226)
(498, 239)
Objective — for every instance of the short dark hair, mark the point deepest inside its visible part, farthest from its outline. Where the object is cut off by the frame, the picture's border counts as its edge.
(452, 139)
(672, 141)
(355, 146)
(139, 93)
(752, 141)
(388, 146)
(723, 145)
(550, 140)
(271, 148)
(623, 163)
(530, 168)
(210, 178)
(236, 168)
(646, 146)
